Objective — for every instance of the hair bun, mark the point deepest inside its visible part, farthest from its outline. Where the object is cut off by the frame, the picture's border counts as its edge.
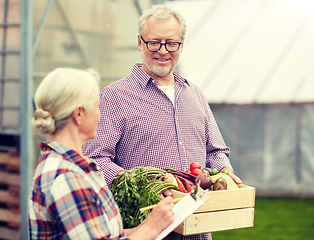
(43, 121)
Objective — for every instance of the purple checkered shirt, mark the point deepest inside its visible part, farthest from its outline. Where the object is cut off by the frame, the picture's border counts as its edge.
(140, 126)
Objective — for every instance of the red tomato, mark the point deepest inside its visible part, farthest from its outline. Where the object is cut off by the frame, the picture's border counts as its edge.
(195, 165)
(196, 171)
(205, 171)
(188, 171)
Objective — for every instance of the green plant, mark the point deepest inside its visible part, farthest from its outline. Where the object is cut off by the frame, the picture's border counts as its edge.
(277, 219)
(137, 188)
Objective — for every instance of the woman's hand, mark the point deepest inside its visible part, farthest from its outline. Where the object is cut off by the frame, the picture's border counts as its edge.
(167, 193)
(159, 218)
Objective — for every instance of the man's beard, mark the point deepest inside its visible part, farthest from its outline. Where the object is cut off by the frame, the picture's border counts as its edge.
(158, 71)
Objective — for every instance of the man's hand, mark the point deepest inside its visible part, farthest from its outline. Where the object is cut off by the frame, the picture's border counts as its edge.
(235, 178)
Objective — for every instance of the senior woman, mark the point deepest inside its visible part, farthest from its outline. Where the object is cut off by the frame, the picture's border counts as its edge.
(70, 198)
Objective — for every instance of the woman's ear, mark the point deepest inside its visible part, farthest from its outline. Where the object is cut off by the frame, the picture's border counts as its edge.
(78, 114)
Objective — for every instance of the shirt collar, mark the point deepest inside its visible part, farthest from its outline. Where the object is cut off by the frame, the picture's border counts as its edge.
(144, 78)
(69, 154)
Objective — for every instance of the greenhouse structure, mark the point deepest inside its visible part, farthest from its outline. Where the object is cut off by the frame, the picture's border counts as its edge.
(253, 60)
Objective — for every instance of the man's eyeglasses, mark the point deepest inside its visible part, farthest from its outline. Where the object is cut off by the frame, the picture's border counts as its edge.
(154, 46)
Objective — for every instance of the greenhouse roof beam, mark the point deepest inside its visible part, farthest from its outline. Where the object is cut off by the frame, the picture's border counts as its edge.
(41, 26)
(138, 8)
(72, 33)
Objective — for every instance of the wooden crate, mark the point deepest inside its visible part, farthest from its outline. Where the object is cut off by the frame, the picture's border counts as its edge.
(10, 216)
(223, 210)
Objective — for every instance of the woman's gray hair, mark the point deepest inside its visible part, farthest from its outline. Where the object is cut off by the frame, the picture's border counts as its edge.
(59, 93)
(160, 12)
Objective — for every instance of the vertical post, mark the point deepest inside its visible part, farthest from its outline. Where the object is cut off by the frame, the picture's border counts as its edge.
(298, 109)
(138, 7)
(156, 2)
(26, 136)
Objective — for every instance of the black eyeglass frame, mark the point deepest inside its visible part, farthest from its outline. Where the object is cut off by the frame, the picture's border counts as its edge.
(161, 44)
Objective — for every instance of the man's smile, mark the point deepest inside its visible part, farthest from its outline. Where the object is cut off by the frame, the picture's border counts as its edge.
(162, 60)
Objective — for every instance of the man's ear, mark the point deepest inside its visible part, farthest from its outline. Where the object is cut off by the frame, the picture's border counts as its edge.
(139, 43)
(181, 48)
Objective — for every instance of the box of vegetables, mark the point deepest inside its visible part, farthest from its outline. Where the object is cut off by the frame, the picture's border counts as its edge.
(227, 205)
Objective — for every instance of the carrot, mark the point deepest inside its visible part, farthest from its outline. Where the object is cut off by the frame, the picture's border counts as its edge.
(180, 185)
(182, 179)
(189, 188)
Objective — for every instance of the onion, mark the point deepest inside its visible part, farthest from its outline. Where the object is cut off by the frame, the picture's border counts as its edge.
(205, 181)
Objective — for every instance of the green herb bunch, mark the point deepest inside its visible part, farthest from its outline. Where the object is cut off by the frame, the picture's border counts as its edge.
(136, 188)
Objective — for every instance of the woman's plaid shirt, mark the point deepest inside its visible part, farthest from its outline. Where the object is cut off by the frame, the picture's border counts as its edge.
(70, 198)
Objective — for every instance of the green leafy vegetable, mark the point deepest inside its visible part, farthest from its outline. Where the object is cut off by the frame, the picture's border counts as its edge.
(137, 188)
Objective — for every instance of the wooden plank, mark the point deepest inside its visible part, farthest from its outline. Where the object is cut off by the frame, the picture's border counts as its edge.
(10, 178)
(3, 156)
(11, 217)
(14, 191)
(223, 210)
(217, 221)
(10, 234)
(11, 160)
(227, 199)
(8, 198)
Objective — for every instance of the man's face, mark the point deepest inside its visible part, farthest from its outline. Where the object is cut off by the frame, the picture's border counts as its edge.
(162, 62)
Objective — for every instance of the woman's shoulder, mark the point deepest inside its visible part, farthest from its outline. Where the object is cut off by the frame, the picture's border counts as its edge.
(52, 166)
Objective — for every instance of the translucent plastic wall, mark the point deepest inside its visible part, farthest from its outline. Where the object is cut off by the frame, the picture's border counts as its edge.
(101, 34)
(271, 146)
(9, 65)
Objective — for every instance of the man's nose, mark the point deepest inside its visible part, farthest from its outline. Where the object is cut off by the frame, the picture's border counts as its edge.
(163, 49)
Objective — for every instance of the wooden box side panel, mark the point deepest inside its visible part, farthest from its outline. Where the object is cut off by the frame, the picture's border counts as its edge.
(217, 221)
(227, 199)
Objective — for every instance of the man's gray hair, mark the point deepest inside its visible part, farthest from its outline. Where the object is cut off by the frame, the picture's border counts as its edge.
(160, 12)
